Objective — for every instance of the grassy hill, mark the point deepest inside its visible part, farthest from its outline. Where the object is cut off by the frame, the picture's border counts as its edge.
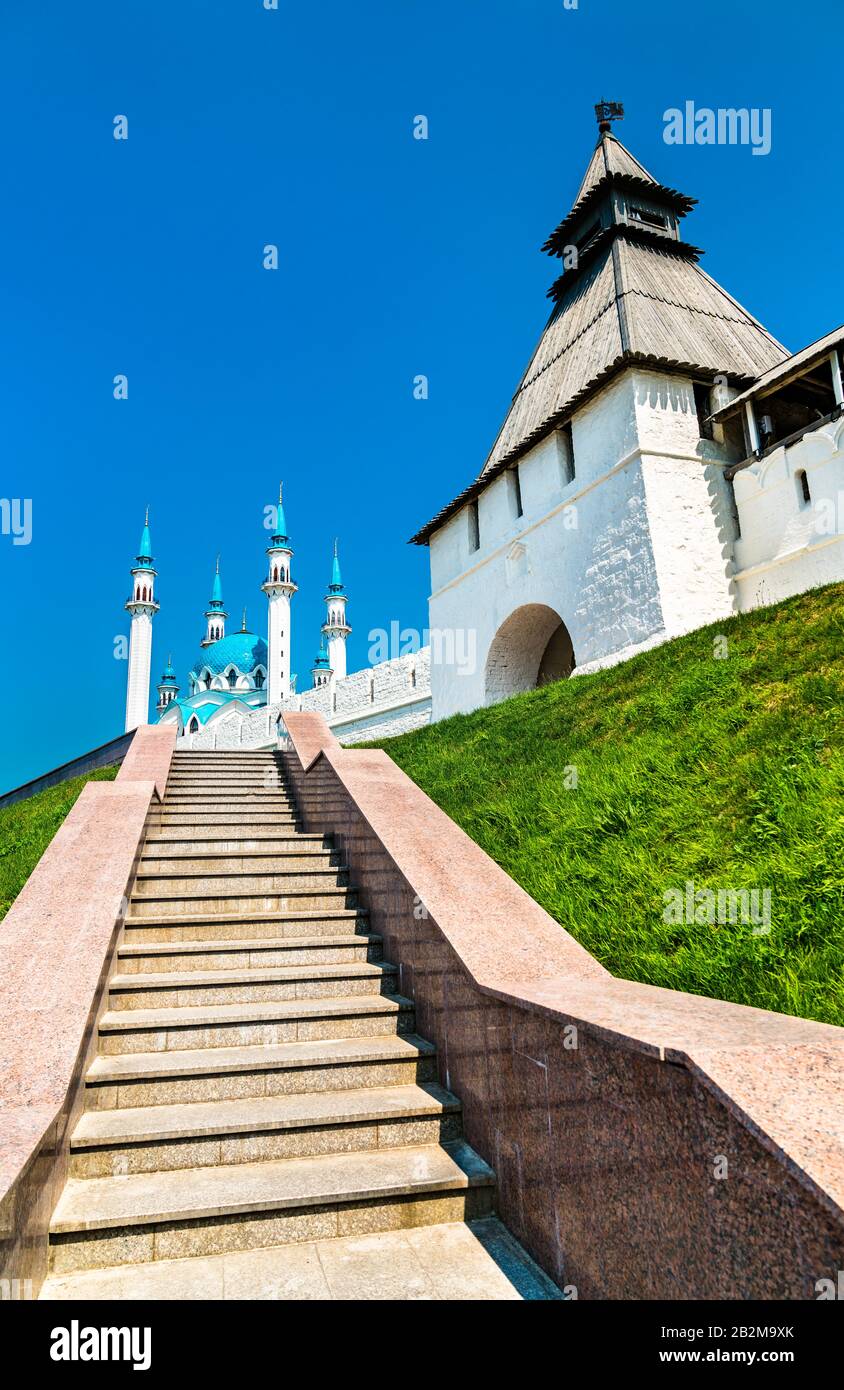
(27, 828)
(601, 793)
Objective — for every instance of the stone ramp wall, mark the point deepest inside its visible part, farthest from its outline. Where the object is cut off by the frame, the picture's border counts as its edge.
(107, 755)
(56, 946)
(648, 1144)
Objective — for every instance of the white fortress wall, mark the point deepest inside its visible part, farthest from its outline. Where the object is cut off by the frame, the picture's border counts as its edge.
(787, 544)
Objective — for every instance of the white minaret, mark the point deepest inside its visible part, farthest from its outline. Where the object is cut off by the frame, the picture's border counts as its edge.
(321, 671)
(143, 607)
(168, 687)
(335, 627)
(279, 589)
(215, 614)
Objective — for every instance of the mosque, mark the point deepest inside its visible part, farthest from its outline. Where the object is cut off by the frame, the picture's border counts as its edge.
(240, 683)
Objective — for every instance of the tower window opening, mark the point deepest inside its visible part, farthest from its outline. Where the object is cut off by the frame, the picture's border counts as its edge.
(514, 490)
(805, 493)
(413, 677)
(275, 574)
(193, 726)
(372, 690)
(704, 409)
(474, 526)
(565, 454)
(259, 680)
(648, 217)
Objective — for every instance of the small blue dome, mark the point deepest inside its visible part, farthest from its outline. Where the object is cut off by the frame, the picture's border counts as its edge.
(242, 650)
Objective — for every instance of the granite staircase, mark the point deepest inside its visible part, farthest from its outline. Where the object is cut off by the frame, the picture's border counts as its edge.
(261, 1119)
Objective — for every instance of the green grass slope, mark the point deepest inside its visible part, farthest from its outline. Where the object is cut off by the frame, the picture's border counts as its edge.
(726, 770)
(27, 828)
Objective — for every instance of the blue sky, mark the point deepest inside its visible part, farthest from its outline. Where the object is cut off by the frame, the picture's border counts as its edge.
(398, 257)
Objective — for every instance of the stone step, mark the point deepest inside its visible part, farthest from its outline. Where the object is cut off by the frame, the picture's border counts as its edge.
(176, 989)
(207, 820)
(247, 953)
(227, 796)
(160, 1216)
(293, 857)
(257, 769)
(162, 1138)
(233, 1073)
(190, 803)
(245, 905)
(214, 805)
(217, 926)
(225, 791)
(211, 883)
(224, 757)
(448, 1262)
(269, 777)
(231, 840)
(258, 803)
(244, 772)
(253, 1025)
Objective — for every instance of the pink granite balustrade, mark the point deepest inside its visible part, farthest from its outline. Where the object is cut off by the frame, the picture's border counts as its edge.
(56, 947)
(648, 1144)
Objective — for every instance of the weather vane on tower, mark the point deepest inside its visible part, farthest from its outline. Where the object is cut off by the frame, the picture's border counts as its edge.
(606, 112)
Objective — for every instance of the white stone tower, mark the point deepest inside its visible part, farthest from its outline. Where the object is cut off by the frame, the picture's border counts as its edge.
(335, 627)
(215, 614)
(143, 607)
(279, 589)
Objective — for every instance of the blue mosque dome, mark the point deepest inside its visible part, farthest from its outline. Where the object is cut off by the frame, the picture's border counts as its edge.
(244, 650)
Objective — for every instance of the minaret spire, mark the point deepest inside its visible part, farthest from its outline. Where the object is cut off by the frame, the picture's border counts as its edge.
(168, 687)
(215, 613)
(335, 628)
(143, 607)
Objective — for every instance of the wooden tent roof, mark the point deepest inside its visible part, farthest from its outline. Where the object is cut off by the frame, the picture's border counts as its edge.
(640, 299)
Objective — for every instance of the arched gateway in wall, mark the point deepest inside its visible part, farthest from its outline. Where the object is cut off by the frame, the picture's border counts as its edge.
(532, 647)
